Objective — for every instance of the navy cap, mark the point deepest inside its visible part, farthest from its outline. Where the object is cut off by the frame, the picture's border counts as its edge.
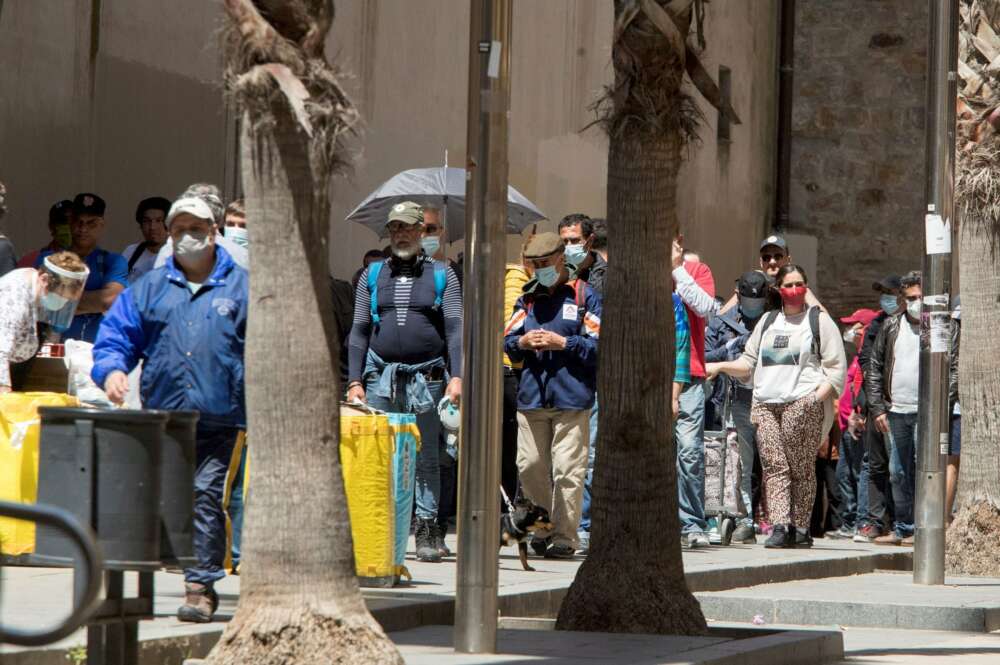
(152, 203)
(887, 284)
(752, 284)
(775, 240)
(57, 213)
(86, 203)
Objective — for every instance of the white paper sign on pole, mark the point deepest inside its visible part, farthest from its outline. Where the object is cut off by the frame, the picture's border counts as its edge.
(938, 232)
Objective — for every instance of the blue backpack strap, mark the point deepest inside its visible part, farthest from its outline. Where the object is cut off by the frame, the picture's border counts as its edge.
(440, 282)
(373, 272)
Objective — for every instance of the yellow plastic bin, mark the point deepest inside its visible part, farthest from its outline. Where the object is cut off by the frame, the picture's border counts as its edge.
(19, 429)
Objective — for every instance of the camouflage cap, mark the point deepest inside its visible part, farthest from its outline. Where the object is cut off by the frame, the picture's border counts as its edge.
(407, 212)
(543, 245)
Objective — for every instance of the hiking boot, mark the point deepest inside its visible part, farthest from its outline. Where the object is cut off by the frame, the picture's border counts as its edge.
(803, 539)
(559, 551)
(426, 536)
(200, 603)
(539, 545)
(780, 538)
(888, 539)
(867, 533)
(440, 532)
(744, 535)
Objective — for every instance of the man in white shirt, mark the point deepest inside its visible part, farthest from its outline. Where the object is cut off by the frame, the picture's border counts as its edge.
(891, 383)
(150, 215)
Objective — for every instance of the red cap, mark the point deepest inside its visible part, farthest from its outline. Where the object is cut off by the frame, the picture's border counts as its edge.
(862, 316)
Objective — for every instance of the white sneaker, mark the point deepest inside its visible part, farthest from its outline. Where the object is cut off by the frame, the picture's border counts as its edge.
(695, 540)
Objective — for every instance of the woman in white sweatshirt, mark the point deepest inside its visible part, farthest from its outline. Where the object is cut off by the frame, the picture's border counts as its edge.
(797, 380)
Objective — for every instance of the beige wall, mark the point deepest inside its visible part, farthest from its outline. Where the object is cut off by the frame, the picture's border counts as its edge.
(156, 120)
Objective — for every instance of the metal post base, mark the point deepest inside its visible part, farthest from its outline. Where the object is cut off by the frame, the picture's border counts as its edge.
(928, 545)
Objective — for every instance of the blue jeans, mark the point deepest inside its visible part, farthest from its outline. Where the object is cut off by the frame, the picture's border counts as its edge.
(214, 450)
(849, 481)
(747, 434)
(428, 488)
(902, 469)
(591, 453)
(236, 508)
(690, 434)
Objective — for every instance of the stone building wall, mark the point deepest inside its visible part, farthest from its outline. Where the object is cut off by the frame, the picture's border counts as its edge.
(857, 181)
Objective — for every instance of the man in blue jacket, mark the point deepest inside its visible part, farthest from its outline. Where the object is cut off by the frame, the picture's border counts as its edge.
(553, 330)
(186, 321)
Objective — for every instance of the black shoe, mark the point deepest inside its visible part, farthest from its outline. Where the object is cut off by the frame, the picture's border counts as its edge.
(803, 539)
(539, 545)
(440, 531)
(744, 535)
(780, 538)
(560, 551)
(425, 535)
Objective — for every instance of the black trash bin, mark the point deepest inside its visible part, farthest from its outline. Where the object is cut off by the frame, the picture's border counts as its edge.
(104, 466)
(178, 465)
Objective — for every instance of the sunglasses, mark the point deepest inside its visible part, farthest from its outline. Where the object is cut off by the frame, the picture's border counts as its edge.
(767, 258)
(431, 228)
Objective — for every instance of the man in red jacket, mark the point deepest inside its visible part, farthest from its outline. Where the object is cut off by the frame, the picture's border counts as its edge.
(695, 285)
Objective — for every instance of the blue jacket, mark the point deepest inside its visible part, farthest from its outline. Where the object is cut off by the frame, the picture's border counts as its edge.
(191, 345)
(564, 379)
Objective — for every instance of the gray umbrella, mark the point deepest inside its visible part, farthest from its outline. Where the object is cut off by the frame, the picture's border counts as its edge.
(443, 187)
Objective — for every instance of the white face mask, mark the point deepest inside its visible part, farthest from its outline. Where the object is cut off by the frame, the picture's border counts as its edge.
(192, 246)
(849, 335)
(238, 236)
(913, 309)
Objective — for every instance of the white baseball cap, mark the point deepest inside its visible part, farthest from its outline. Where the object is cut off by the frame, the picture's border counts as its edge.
(191, 205)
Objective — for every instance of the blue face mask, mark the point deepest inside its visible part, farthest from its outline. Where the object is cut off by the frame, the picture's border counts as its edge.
(889, 304)
(575, 254)
(431, 245)
(752, 308)
(53, 301)
(547, 276)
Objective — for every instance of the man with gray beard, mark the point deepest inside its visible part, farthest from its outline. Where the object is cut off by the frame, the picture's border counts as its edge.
(405, 352)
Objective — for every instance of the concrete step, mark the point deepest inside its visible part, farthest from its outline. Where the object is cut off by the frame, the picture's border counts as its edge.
(877, 600)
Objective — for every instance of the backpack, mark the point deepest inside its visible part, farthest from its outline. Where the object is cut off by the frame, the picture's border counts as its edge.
(137, 254)
(440, 281)
(813, 326)
(580, 296)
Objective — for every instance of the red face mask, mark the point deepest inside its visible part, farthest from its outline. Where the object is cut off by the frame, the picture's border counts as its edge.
(794, 296)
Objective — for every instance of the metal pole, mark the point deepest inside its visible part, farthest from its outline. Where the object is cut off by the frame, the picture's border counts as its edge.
(485, 253)
(928, 555)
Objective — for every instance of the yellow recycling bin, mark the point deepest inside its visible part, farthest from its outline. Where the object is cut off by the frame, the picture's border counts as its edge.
(19, 431)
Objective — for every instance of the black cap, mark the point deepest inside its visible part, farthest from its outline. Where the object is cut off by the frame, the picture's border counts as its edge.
(888, 284)
(152, 203)
(752, 284)
(775, 240)
(86, 203)
(57, 213)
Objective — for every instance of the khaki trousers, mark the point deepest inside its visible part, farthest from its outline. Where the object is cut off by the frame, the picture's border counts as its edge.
(552, 449)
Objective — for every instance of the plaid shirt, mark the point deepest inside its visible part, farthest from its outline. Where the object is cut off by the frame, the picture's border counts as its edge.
(682, 339)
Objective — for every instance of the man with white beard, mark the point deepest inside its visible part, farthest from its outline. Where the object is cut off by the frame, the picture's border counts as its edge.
(405, 352)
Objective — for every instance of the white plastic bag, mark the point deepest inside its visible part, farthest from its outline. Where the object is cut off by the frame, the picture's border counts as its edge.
(79, 361)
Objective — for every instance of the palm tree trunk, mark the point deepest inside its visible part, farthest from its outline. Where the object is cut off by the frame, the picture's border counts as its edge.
(973, 545)
(973, 539)
(633, 579)
(300, 601)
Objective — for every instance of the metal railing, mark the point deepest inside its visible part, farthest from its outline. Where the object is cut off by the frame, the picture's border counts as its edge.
(86, 602)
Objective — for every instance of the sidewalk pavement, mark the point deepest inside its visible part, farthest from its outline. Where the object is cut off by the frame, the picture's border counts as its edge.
(38, 596)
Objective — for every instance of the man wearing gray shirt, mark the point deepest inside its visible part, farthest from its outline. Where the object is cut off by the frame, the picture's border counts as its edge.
(892, 385)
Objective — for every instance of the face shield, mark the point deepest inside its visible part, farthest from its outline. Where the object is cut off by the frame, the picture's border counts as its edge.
(58, 305)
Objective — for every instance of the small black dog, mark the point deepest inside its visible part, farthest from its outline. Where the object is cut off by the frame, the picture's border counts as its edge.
(515, 527)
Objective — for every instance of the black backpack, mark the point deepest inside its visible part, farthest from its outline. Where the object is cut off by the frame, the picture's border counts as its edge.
(813, 326)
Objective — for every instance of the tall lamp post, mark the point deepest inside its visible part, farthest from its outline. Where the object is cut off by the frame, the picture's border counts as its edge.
(485, 254)
(928, 555)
